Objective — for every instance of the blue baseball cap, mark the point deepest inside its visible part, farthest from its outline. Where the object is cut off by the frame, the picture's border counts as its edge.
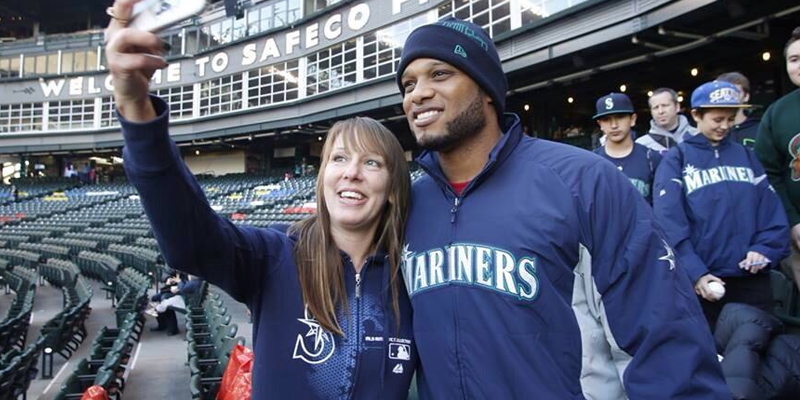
(613, 103)
(717, 94)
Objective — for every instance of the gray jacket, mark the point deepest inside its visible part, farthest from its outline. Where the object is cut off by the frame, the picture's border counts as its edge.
(661, 140)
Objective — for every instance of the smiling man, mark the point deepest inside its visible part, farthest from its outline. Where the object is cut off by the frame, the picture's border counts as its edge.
(534, 268)
(778, 148)
(616, 119)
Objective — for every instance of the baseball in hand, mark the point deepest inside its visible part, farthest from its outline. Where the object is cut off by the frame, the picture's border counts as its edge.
(717, 289)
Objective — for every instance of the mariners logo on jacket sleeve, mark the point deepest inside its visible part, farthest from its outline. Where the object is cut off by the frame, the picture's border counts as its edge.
(471, 264)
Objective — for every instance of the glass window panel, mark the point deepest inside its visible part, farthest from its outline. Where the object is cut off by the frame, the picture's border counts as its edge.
(266, 18)
(41, 64)
(52, 64)
(80, 62)
(226, 31)
(30, 66)
(91, 60)
(252, 21)
(66, 63)
(14, 67)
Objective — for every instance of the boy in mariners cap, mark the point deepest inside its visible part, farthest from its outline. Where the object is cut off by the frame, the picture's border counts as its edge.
(525, 258)
(616, 118)
(718, 210)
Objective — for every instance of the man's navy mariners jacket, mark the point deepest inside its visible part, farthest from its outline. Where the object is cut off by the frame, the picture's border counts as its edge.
(716, 204)
(546, 279)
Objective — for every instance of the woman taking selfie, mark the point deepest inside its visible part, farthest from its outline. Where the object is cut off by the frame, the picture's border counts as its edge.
(331, 317)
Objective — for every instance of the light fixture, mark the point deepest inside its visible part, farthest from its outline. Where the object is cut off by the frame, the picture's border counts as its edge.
(766, 56)
(570, 100)
(680, 99)
(649, 93)
(197, 152)
(623, 88)
(526, 107)
(694, 71)
(319, 138)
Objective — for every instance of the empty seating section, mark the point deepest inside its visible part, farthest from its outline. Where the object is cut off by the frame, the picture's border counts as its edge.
(211, 338)
(67, 234)
(17, 361)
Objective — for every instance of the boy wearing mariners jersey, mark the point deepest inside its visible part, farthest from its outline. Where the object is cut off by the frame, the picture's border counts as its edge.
(616, 118)
(533, 267)
(718, 209)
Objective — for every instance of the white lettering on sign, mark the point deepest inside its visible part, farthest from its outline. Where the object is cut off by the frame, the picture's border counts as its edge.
(249, 54)
(359, 16)
(174, 72)
(292, 40)
(76, 86)
(312, 35)
(270, 50)
(333, 27)
(92, 84)
(219, 62)
(50, 87)
(266, 50)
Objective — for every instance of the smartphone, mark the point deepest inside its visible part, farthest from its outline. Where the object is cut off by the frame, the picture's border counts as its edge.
(155, 15)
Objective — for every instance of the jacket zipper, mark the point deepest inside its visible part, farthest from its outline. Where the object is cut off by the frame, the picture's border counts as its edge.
(358, 337)
(716, 153)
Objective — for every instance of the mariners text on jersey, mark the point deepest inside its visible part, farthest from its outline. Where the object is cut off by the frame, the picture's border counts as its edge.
(471, 264)
(699, 178)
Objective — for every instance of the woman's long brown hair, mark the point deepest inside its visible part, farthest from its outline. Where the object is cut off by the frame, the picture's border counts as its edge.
(319, 264)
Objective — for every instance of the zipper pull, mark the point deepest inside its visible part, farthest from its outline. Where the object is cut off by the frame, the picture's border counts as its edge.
(358, 284)
(716, 153)
(453, 211)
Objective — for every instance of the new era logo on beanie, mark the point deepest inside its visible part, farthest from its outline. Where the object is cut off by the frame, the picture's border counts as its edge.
(460, 51)
(463, 45)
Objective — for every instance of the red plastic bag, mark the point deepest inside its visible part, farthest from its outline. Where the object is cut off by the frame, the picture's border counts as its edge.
(238, 376)
(95, 392)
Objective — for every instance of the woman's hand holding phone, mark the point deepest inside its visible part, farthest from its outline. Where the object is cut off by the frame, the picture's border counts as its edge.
(133, 56)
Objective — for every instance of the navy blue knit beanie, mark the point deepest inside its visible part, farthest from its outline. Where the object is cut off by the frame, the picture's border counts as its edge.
(463, 45)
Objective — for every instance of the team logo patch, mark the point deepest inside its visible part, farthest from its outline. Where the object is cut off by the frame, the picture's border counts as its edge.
(695, 178)
(724, 95)
(609, 103)
(399, 351)
(460, 51)
(669, 257)
(315, 346)
(470, 264)
(398, 369)
(794, 150)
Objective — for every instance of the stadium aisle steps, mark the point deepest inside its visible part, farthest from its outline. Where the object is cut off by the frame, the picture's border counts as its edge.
(48, 303)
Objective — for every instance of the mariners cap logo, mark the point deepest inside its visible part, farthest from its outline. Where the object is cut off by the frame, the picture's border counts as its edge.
(609, 103)
(724, 95)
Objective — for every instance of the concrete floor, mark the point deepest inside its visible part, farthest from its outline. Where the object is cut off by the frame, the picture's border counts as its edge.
(158, 368)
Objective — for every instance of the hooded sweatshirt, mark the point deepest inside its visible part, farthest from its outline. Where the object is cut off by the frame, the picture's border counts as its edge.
(746, 132)
(716, 204)
(661, 140)
(546, 278)
(778, 148)
(295, 358)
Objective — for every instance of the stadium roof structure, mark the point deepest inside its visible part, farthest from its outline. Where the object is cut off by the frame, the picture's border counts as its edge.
(18, 18)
